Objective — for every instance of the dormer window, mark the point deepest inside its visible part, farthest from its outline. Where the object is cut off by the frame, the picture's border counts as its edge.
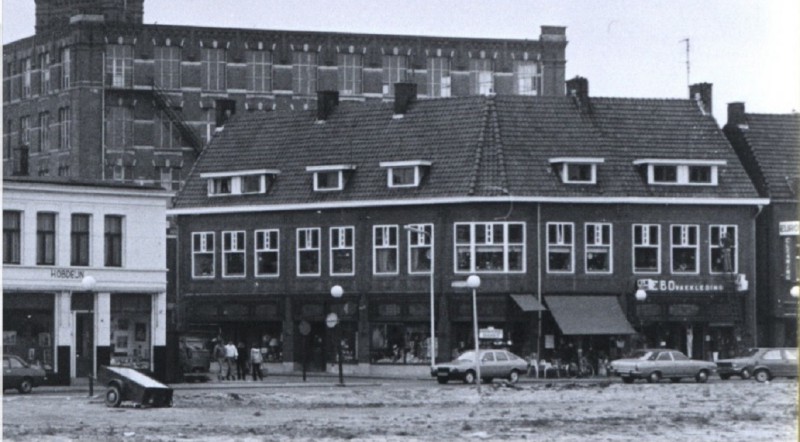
(681, 172)
(404, 173)
(330, 178)
(243, 182)
(577, 170)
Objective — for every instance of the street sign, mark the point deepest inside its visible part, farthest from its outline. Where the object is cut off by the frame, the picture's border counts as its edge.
(331, 320)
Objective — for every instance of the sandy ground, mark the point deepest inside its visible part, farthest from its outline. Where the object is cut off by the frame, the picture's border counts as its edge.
(563, 411)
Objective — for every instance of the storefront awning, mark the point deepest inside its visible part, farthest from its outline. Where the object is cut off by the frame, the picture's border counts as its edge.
(528, 303)
(589, 315)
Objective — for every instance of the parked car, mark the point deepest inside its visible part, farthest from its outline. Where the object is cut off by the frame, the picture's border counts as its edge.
(21, 375)
(657, 364)
(494, 364)
(761, 363)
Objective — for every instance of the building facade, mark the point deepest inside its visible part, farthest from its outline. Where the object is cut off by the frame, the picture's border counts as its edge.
(84, 275)
(769, 146)
(564, 206)
(95, 93)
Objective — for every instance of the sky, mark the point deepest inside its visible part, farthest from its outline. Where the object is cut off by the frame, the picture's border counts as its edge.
(748, 49)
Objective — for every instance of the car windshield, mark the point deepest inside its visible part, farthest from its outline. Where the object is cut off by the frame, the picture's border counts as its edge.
(642, 354)
(467, 356)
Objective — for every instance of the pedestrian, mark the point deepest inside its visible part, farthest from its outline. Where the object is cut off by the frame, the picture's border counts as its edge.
(230, 360)
(219, 356)
(241, 361)
(256, 358)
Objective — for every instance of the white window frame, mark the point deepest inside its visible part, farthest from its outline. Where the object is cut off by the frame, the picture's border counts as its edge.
(682, 171)
(307, 245)
(386, 244)
(392, 165)
(684, 244)
(714, 243)
(119, 64)
(527, 77)
(350, 74)
(268, 247)
(167, 67)
(395, 70)
(561, 243)
(338, 242)
(418, 241)
(564, 163)
(259, 71)
(304, 72)
(337, 170)
(489, 233)
(439, 76)
(236, 181)
(647, 243)
(204, 250)
(599, 245)
(481, 76)
(214, 62)
(235, 248)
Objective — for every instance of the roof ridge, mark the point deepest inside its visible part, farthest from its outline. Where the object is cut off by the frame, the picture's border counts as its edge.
(497, 143)
(473, 184)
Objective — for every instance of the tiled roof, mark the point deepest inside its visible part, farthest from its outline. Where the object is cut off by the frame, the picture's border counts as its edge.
(773, 143)
(478, 146)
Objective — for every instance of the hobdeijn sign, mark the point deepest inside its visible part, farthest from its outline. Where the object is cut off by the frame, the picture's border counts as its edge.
(789, 228)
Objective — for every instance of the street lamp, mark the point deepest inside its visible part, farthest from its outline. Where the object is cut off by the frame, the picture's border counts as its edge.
(433, 303)
(337, 291)
(88, 283)
(795, 291)
(473, 282)
(640, 295)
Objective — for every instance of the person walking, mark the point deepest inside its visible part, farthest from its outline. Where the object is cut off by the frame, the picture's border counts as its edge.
(230, 358)
(219, 356)
(256, 358)
(241, 361)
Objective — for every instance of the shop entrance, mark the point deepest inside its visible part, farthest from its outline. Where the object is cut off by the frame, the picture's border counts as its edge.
(84, 344)
(312, 347)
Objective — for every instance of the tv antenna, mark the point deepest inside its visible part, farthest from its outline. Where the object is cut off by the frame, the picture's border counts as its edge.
(688, 66)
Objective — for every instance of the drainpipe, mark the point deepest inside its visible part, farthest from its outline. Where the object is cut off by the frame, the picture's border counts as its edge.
(103, 120)
(539, 277)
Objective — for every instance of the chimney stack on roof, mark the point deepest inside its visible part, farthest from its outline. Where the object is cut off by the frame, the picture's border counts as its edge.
(736, 114)
(326, 104)
(701, 93)
(404, 95)
(578, 89)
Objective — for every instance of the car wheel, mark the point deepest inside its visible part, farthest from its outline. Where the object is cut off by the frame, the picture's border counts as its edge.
(627, 380)
(513, 377)
(469, 377)
(702, 377)
(724, 377)
(762, 375)
(26, 386)
(745, 373)
(442, 380)
(654, 377)
(113, 396)
(674, 380)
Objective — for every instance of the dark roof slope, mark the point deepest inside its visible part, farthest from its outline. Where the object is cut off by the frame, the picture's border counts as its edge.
(770, 144)
(478, 146)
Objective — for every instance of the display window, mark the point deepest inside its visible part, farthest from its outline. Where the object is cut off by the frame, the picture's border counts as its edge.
(131, 331)
(28, 333)
(398, 343)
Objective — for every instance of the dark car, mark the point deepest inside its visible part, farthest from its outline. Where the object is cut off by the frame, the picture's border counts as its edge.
(21, 375)
(494, 364)
(761, 363)
(656, 364)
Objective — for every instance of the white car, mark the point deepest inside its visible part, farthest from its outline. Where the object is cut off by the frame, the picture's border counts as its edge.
(494, 364)
(657, 364)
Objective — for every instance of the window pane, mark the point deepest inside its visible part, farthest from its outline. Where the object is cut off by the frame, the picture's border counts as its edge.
(11, 237)
(113, 241)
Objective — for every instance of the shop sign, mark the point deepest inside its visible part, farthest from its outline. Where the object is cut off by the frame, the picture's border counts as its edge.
(490, 333)
(789, 228)
(670, 285)
(66, 274)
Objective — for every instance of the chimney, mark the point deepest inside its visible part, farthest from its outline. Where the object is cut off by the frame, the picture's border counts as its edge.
(701, 93)
(578, 88)
(736, 115)
(553, 33)
(404, 95)
(326, 104)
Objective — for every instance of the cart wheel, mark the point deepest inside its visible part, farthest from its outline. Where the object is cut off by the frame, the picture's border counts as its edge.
(113, 396)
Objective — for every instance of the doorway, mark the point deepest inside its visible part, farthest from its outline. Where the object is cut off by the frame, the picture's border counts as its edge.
(84, 344)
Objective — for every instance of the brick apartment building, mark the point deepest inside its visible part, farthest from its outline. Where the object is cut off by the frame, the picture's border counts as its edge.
(95, 93)
(564, 206)
(769, 147)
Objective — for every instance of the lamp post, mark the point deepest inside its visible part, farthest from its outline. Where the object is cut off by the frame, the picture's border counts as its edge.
(473, 282)
(641, 295)
(337, 291)
(432, 347)
(795, 291)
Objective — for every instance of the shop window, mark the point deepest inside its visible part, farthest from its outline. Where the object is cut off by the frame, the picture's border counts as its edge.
(384, 250)
(267, 252)
(398, 343)
(560, 248)
(489, 247)
(131, 331)
(598, 248)
(347, 336)
(28, 329)
(723, 245)
(12, 230)
(308, 252)
(646, 248)
(304, 73)
(45, 238)
(113, 241)
(481, 76)
(350, 73)
(684, 248)
(342, 254)
(79, 240)
(420, 248)
(233, 254)
(395, 70)
(438, 77)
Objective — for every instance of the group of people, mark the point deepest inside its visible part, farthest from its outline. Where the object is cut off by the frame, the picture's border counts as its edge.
(236, 360)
